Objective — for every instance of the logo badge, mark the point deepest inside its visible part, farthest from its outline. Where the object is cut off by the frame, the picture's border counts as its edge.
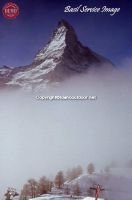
(10, 10)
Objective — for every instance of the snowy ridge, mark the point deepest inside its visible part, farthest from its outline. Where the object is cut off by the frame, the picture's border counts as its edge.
(55, 48)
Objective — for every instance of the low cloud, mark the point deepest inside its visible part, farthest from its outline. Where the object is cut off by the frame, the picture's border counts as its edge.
(41, 137)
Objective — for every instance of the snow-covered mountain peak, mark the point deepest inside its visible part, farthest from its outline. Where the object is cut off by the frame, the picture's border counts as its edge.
(64, 26)
(59, 40)
(62, 57)
(51, 49)
(69, 29)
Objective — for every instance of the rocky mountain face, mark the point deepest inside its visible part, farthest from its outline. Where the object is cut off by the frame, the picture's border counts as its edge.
(63, 56)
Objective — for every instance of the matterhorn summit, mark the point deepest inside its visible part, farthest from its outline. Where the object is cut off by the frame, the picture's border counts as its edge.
(63, 56)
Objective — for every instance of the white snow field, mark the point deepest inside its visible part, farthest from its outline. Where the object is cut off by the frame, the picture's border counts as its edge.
(55, 197)
(63, 197)
(92, 198)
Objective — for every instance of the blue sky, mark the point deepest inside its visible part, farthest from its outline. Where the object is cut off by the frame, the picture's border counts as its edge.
(21, 38)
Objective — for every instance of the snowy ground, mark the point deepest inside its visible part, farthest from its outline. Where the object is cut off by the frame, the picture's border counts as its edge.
(63, 197)
(92, 198)
(56, 197)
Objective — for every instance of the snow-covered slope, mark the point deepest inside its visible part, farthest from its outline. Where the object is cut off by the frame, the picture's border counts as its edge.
(55, 48)
(92, 198)
(63, 56)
